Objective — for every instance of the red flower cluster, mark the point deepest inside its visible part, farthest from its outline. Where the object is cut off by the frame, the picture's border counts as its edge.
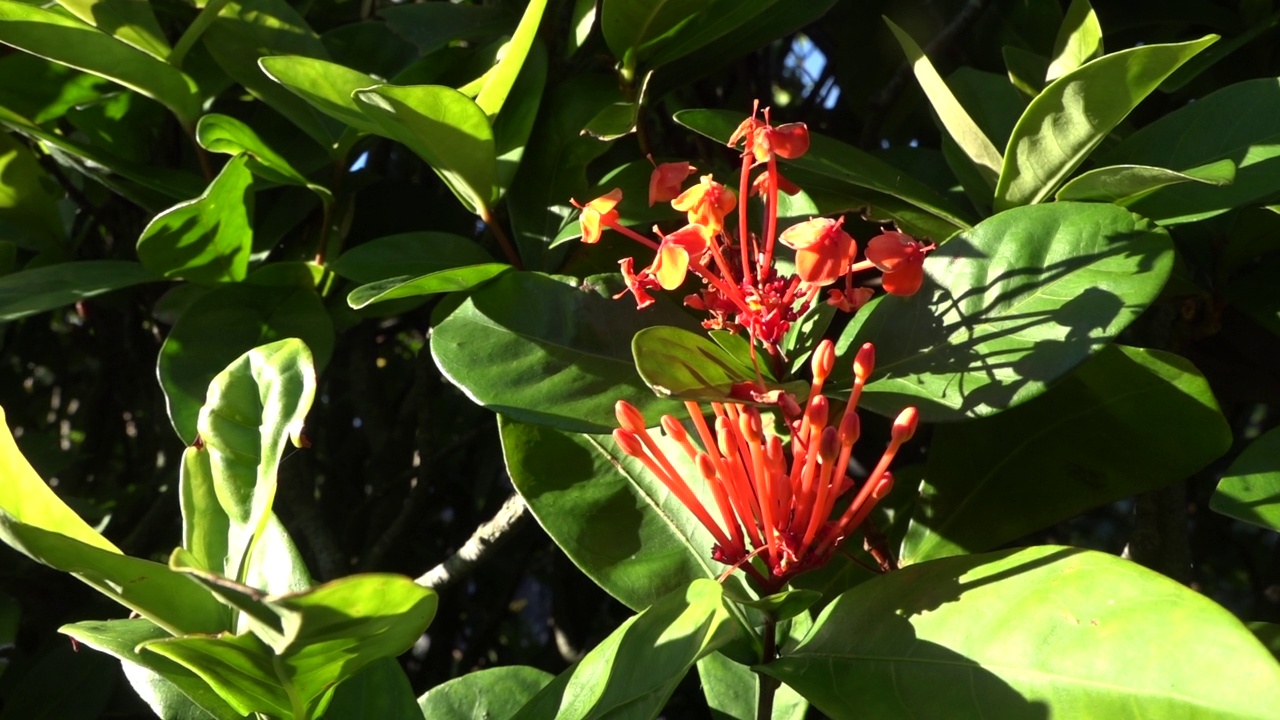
(741, 288)
(772, 502)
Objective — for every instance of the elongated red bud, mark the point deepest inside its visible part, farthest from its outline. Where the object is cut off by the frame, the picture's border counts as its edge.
(864, 362)
(706, 467)
(790, 408)
(905, 426)
(773, 453)
(883, 486)
(850, 427)
(749, 425)
(724, 437)
(829, 445)
(824, 359)
(629, 418)
(629, 443)
(819, 409)
(674, 429)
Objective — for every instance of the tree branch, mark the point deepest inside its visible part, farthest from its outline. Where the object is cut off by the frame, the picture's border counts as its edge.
(512, 516)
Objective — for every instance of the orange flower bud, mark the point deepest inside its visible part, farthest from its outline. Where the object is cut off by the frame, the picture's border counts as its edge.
(824, 251)
(666, 179)
(629, 418)
(901, 258)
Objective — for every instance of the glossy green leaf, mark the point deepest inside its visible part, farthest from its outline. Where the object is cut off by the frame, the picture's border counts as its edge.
(329, 634)
(247, 30)
(1033, 633)
(225, 134)
(1079, 40)
(680, 364)
(28, 292)
(37, 88)
(1066, 121)
(224, 324)
(1007, 308)
(614, 519)
(380, 690)
(432, 26)
(170, 689)
(491, 694)
(1250, 488)
(636, 29)
(71, 42)
(633, 672)
(721, 20)
(415, 253)
(208, 239)
(503, 76)
(565, 349)
(1126, 422)
(1026, 69)
(327, 86)
(446, 129)
(955, 120)
(843, 166)
(131, 21)
(458, 279)
(255, 406)
(28, 200)
(1123, 184)
(1235, 123)
(512, 127)
(35, 522)
(732, 691)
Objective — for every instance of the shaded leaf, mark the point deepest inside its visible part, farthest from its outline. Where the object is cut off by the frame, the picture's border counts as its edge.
(225, 134)
(414, 253)
(380, 690)
(491, 694)
(1007, 308)
(208, 239)
(1123, 184)
(1147, 419)
(432, 26)
(28, 292)
(635, 29)
(130, 21)
(680, 364)
(458, 279)
(979, 636)
(1250, 488)
(28, 200)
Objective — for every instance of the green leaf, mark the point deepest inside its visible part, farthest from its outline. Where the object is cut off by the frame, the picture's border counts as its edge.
(28, 200)
(1079, 40)
(70, 42)
(503, 76)
(35, 522)
(446, 129)
(413, 253)
(1269, 634)
(733, 691)
(1235, 123)
(167, 687)
(1065, 122)
(1147, 419)
(256, 405)
(326, 86)
(633, 672)
(245, 316)
(512, 127)
(225, 134)
(62, 683)
(614, 519)
(677, 363)
(636, 29)
(130, 21)
(28, 292)
(208, 239)
(979, 636)
(432, 26)
(1124, 184)
(565, 346)
(380, 690)
(1250, 488)
(330, 633)
(458, 279)
(247, 30)
(1026, 69)
(492, 694)
(1007, 308)
(967, 135)
(844, 167)
(43, 90)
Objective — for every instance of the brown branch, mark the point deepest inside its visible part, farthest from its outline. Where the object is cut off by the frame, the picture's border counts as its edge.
(512, 516)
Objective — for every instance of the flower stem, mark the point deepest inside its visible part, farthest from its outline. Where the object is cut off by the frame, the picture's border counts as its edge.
(768, 684)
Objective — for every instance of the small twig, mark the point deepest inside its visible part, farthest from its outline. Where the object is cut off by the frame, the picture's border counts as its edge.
(879, 104)
(513, 515)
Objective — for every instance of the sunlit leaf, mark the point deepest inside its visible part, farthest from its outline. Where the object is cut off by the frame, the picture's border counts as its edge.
(1250, 487)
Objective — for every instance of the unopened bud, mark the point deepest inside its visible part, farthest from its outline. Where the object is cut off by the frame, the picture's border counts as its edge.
(828, 445)
(790, 408)
(724, 437)
(706, 467)
(883, 486)
(850, 427)
(749, 425)
(629, 418)
(824, 358)
(629, 443)
(864, 362)
(674, 429)
(905, 426)
(819, 409)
